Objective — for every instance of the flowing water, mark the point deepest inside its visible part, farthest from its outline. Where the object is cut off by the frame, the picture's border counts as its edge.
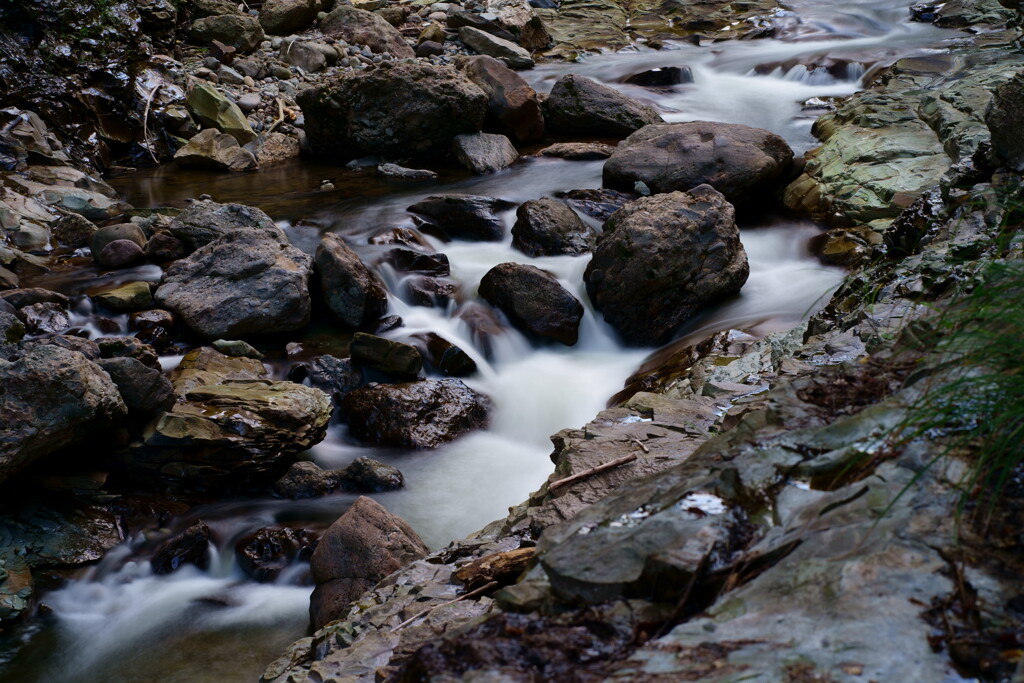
(119, 622)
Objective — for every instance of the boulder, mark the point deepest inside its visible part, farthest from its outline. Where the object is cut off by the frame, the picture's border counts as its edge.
(422, 414)
(512, 105)
(144, 390)
(351, 291)
(363, 546)
(484, 153)
(73, 230)
(395, 110)
(275, 148)
(464, 216)
(366, 475)
(385, 355)
(203, 222)
(236, 348)
(304, 54)
(741, 162)
(191, 546)
(409, 261)
(128, 297)
(110, 233)
(493, 46)
(1005, 119)
(599, 204)
(214, 110)
(423, 290)
(578, 151)
(448, 358)
(219, 151)
(335, 376)
(120, 254)
(42, 318)
(281, 17)
(128, 347)
(547, 227)
(359, 27)
(162, 247)
(52, 398)
(662, 77)
(26, 296)
(240, 31)
(267, 552)
(579, 106)
(246, 282)
(305, 479)
(534, 301)
(12, 331)
(661, 259)
(518, 18)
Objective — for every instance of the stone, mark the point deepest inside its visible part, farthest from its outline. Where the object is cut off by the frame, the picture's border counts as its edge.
(52, 399)
(547, 227)
(534, 301)
(513, 108)
(26, 296)
(305, 55)
(396, 172)
(122, 231)
(493, 46)
(275, 148)
(410, 261)
(423, 414)
(128, 297)
(12, 331)
(360, 548)
(247, 282)
(281, 17)
(484, 153)
(335, 376)
(430, 291)
(219, 151)
(213, 8)
(249, 102)
(518, 18)
(121, 254)
(460, 18)
(464, 216)
(432, 32)
(225, 54)
(580, 106)
(661, 259)
(155, 318)
(429, 48)
(204, 221)
(578, 151)
(236, 348)
(355, 294)
(366, 475)
(1005, 120)
(144, 390)
(41, 318)
(191, 546)
(741, 162)
(449, 359)
(385, 355)
(128, 347)
(662, 77)
(599, 204)
(359, 27)
(162, 247)
(73, 230)
(240, 31)
(395, 110)
(305, 480)
(265, 553)
(214, 110)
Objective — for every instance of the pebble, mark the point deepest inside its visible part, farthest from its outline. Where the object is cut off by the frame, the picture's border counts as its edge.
(249, 81)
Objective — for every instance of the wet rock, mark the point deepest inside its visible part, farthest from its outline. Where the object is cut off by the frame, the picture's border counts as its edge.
(236, 348)
(599, 204)
(578, 151)
(513, 108)
(343, 564)
(460, 18)
(41, 318)
(846, 246)
(305, 480)
(483, 323)
(430, 291)
(281, 17)
(16, 587)
(661, 259)
(152, 319)
(335, 376)
(740, 162)
(395, 111)
(359, 27)
(366, 475)
(215, 150)
(240, 31)
(267, 552)
(145, 391)
(964, 13)
(12, 331)
(1005, 119)
(448, 358)
(191, 546)
(203, 222)
(464, 216)
(120, 254)
(518, 18)
(65, 189)
(128, 297)
(409, 261)
(73, 230)
(246, 282)
(110, 233)
(26, 296)
(162, 247)
(534, 301)
(396, 172)
(55, 529)
(493, 46)
(52, 398)
(579, 106)
(422, 414)
(386, 355)
(547, 227)
(128, 347)
(351, 291)
(214, 110)
(484, 153)
(662, 77)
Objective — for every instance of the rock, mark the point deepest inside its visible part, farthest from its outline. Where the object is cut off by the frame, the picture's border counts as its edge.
(121, 254)
(396, 172)
(41, 318)
(661, 259)
(162, 247)
(484, 152)
(662, 77)
(16, 587)
(386, 355)
(464, 216)
(12, 331)
(578, 151)
(213, 8)
(225, 54)
(267, 552)
(128, 347)
(359, 27)
(742, 163)
(351, 291)
(191, 546)
(547, 227)
(519, 19)
(52, 399)
(423, 414)
(335, 376)
(1005, 119)
(145, 391)
(305, 480)
(216, 150)
(122, 231)
(8, 280)
(395, 110)
(599, 204)
(579, 106)
(493, 46)
(73, 230)
(128, 297)
(214, 110)
(534, 301)
(236, 348)
(275, 148)
(249, 102)
(432, 32)
(203, 222)
(462, 18)
(240, 31)
(448, 358)
(409, 261)
(845, 246)
(430, 291)
(512, 105)
(363, 546)
(281, 17)
(246, 282)
(429, 48)
(305, 55)
(152, 319)
(365, 475)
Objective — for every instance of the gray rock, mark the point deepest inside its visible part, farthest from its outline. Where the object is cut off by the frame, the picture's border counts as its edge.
(248, 102)
(579, 106)
(386, 355)
(396, 172)
(73, 230)
(366, 475)
(484, 152)
(110, 233)
(305, 480)
(127, 297)
(242, 32)
(216, 150)
(145, 391)
(547, 227)
(191, 546)
(281, 17)
(203, 222)
(493, 46)
(578, 151)
(445, 356)
(534, 301)
(40, 318)
(236, 348)
(1005, 119)
(359, 27)
(335, 376)
(305, 55)
(120, 254)
(214, 110)
(464, 216)
(12, 331)
(512, 105)
(351, 291)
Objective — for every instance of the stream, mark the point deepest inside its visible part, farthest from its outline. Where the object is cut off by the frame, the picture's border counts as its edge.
(119, 622)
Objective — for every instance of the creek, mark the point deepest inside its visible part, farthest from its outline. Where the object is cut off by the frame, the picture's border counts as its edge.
(119, 622)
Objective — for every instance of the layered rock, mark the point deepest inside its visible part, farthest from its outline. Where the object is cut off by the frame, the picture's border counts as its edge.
(202, 222)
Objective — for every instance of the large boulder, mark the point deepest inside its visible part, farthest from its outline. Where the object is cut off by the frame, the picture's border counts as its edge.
(484, 153)
(739, 161)
(579, 105)
(534, 301)
(52, 398)
(363, 546)
(422, 414)
(359, 27)
(385, 355)
(493, 46)
(215, 150)
(203, 222)
(661, 259)
(214, 110)
(1005, 119)
(512, 105)
(244, 283)
(464, 216)
(144, 390)
(240, 31)
(394, 110)
(351, 290)
(548, 227)
(281, 17)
